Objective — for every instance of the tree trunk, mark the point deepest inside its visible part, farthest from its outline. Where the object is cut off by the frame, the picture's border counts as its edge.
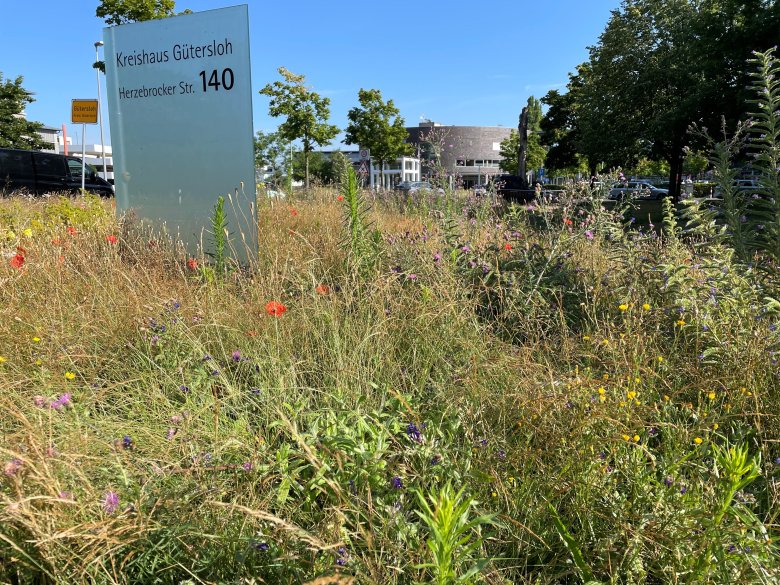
(306, 168)
(675, 168)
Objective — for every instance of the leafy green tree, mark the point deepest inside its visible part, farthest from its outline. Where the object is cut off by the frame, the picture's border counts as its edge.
(695, 162)
(15, 130)
(560, 128)
(123, 11)
(306, 114)
(661, 65)
(378, 126)
(321, 168)
(508, 152)
(272, 152)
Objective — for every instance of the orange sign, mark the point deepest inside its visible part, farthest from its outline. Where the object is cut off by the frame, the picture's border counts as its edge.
(84, 111)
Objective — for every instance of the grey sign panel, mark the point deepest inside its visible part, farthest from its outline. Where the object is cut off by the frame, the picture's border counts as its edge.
(180, 108)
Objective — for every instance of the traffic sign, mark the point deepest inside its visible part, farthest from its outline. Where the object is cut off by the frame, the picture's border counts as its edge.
(84, 111)
(365, 154)
(363, 170)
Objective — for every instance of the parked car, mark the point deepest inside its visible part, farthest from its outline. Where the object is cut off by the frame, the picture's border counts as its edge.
(39, 173)
(642, 190)
(480, 190)
(414, 186)
(742, 186)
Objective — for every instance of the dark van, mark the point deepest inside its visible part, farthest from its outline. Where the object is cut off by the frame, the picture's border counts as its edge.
(38, 173)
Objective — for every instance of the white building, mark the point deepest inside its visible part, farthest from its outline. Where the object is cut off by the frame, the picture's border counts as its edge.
(404, 168)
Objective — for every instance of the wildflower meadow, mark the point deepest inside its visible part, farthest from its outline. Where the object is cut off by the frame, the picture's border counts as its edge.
(435, 388)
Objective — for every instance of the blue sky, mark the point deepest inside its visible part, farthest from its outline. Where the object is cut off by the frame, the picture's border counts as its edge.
(452, 61)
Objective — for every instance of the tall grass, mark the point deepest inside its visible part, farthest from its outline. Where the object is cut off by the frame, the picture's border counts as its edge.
(475, 394)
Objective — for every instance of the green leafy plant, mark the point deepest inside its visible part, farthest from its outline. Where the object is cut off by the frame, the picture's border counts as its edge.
(219, 235)
(452, 544)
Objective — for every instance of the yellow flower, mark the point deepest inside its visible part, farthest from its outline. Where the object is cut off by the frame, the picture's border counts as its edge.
(36, 339)
(586, 338)
(623, 307)
(601, 390)
(711, 395)
(698, 440)
(680, 322)
(631, 395)
(38, 362)
(10, 235)
(646, 306)
(666, 398)
(28, 232)
(636, 438)
(70, 376)
(605, 376)
(626, 437)
(622, 335)
(660, 359)
(605, 342)
(637, 380)
(2, 360)
(715, 427)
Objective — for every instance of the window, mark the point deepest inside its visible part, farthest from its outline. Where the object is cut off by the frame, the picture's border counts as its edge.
(16, 164)
(49, 166)
(460, 163)
(408, 165)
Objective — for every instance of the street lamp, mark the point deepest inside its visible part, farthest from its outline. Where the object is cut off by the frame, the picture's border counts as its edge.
(100, 111)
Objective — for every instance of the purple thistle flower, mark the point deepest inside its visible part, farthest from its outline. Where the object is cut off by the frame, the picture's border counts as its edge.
(412, 276)
(65, 496)
(12, 467)
(184, 388)
(171, 433)
(111, 502)
(39, 401)
(437, 257)
(236, 355)
(247, 466)
(589, 234)
(61, 402)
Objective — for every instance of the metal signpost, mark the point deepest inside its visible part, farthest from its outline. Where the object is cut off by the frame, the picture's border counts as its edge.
(83, 112)
(180, 108)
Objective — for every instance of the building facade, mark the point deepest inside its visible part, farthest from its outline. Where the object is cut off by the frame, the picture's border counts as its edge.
(469, 154)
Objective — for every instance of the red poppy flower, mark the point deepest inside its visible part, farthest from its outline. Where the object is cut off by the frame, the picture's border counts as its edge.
(322, 289)
(17, 262)
(71, 231)
(508, 247)
(567, 221)
(293, 212)
(275, 308)
(340, 198)
(192, 264)
(111, 239)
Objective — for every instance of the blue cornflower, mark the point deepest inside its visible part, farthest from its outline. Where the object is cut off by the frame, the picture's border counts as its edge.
(127, 442)
(261, 546)
(413, 433)
(396, 482)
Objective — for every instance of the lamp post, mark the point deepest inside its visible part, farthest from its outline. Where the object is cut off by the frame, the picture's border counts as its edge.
(100, 111)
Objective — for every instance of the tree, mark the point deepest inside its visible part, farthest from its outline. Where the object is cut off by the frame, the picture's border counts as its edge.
(306, 113)
(272, 152)
(377, 125)
(15, 130)
(658, 67)
(123, 11)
